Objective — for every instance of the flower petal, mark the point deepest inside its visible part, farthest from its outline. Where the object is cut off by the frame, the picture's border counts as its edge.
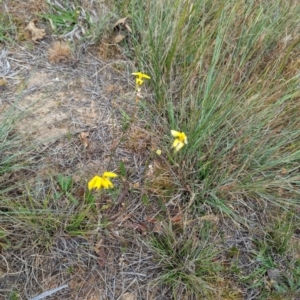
(110, 184)
(183, 138)
(139, 81)
(175, 133)
(107, 183)
(145, 76)
(139, 74)
(95, 183)
(109, 174)
(175, 143)
(179, 146)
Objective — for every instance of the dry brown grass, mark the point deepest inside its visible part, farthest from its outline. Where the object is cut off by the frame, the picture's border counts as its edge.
(26, 9)
(159, 179)
(139, 140)
(106, 49)
(59, 51)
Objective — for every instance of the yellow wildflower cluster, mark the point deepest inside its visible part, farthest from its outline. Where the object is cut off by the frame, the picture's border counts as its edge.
(180, 140)
(103, 181)
(98, 182)
(139, 78)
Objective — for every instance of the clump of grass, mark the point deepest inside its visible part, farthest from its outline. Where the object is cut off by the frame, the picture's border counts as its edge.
(7, 28)
(62, 19)
(277, 267)
(218, 73)
(225, 73)
(187, 260)
(45, 208)
(273, 275)
(73, 20)
(280, 233)
(14, 154)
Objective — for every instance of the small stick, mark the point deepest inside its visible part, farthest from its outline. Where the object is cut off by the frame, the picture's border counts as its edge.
(123, 194)
(49, 293)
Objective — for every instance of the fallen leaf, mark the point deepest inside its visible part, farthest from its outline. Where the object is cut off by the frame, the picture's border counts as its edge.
(123, 218)
(210, 217)
(84, 139)
(36, 33)
(79, 192)
(228, 187)
(273, 274)
(176, 219)
(101, 257)
(123, 23)
(120, 21)
(151, 220)
(3, 82)
(128, 296)
(188, 188)
(99, 250)
(157, 228)
(119, 38)
(128, 27)
(139, 226)
(114, 144)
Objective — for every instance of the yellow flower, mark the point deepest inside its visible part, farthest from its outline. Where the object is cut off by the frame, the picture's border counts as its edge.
(158, 152)
(139, 78)
(180, 140)
(98, 182)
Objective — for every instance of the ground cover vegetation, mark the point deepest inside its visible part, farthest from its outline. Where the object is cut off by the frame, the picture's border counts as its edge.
(149, 149)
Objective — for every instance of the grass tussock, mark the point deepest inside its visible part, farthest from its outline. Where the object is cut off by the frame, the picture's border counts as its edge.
(15, 154)
(59, 52)
(221, 74)
(187, 260)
